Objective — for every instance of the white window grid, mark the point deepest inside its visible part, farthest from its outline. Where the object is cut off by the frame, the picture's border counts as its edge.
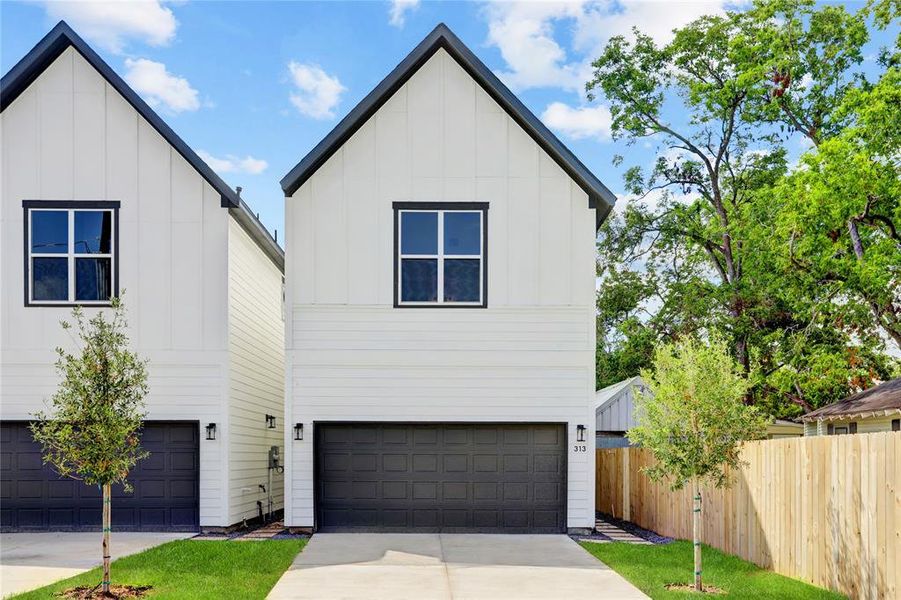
(440, 256)
(70, 255)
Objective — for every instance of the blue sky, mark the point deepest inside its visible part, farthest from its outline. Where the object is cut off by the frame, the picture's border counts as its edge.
(253, 86)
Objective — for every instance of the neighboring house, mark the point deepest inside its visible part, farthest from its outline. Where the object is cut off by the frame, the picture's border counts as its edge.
(440, 322)
(783, 428)
(99, 195)
(615, 415)
(875, 409)
(613, 409)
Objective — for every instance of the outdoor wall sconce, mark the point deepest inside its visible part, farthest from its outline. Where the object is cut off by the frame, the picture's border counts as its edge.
(580, 433)
(298, 431)
(211, 431)
(270, 421)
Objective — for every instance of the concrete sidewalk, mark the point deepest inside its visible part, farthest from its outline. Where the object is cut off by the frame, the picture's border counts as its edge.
(32, 560)
(446, 566)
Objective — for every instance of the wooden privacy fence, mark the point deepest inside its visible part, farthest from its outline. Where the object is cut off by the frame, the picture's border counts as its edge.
(823, 509)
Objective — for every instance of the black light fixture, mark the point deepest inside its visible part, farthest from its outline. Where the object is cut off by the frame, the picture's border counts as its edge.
(580, 433)
(270, 421)
(211, 431)
(298, 431)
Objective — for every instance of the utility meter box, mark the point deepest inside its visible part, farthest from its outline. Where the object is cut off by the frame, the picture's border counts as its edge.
(274, 458)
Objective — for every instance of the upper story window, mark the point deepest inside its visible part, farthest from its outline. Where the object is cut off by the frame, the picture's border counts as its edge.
(441, 254)
(70, 252)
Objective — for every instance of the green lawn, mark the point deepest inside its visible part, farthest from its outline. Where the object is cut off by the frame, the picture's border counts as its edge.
(194, 569)
(650, 568)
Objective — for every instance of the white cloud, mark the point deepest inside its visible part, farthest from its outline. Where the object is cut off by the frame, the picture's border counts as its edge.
(317, 93)
(578, 123)
(234, 164)
(158, 86)
(110, 23)
(399, 10)
(524, 32)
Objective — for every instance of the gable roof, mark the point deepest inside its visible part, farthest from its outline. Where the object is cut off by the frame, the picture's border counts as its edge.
(61, 37)
(881, 400)
(599, 197)
(605, 396)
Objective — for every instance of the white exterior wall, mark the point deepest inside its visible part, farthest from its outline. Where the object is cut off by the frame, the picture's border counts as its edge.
(528, 357)
(256, 384)
(71, 136)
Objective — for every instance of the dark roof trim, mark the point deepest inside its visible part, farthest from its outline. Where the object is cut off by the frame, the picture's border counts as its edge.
(27, 70)
(599, 197)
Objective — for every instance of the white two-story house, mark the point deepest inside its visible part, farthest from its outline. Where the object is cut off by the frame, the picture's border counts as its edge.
(440, 321)
(100, 196)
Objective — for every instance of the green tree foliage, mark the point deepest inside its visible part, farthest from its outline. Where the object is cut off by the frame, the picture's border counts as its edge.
(693, 419)
(838, 217)
(91, 429)
(721, 235)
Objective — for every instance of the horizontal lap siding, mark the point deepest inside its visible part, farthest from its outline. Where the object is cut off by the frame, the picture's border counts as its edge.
(483, 375)
(256, 374)
(71, 136)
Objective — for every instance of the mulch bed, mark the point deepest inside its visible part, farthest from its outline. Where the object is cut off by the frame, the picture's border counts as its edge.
(685, 587)
(635, 530)
(116, 591)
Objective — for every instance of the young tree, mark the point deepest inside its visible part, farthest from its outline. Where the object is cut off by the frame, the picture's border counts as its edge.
(91, 430)
(694, 421)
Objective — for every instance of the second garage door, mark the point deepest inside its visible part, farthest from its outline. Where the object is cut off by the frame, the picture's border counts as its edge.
(164, 498)
(441, 477)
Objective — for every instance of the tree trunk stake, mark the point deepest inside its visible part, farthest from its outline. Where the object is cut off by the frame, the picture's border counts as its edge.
(107, 497)
(696, 534)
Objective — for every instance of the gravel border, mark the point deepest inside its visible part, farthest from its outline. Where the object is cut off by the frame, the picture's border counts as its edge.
(635, 530)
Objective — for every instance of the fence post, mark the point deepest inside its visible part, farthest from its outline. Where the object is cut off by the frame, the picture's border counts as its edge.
(627, 509)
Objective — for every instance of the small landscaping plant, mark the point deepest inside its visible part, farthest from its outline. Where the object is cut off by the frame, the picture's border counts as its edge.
(693, 420)
(91, 431)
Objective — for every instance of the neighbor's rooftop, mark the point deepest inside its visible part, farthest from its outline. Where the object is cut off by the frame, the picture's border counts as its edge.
(878, 401)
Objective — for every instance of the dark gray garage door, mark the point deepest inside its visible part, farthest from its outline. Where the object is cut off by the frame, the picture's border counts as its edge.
(164, 498)
(441, 477)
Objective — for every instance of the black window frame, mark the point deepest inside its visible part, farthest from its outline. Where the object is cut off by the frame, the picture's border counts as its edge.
(28, 206)
(446, 207)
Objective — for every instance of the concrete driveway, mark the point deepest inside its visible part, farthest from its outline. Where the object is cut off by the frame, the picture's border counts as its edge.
(32, 560)
(445, 566)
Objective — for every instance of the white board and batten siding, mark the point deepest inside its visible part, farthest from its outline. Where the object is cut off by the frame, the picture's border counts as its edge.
(71, 136)
(352, 356)
(256, 346)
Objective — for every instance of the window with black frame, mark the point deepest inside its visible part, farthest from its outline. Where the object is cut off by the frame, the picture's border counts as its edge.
(441, 254)
(70, 252)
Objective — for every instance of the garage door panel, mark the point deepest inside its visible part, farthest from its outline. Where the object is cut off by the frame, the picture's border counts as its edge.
(457, 436)
(164, 495)
(395, 436)
(364, 463)
(395, 490)
(365, 435)
(425, 463)
(440, 477)
(394, 463)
